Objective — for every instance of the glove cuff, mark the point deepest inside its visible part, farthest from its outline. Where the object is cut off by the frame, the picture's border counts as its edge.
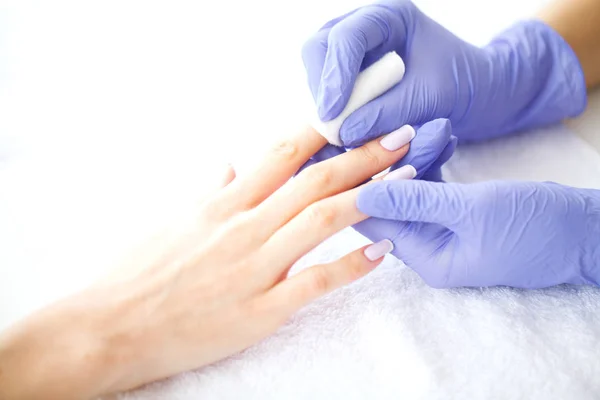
(572, 99)
(544, 62)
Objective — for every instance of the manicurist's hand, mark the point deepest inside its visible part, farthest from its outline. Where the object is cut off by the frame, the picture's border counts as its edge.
(526, 77)
(218, 287)
(520, 234)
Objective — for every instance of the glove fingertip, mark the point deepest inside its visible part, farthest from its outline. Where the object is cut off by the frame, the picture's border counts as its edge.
(330, 101)
(360, 126)
(439, 125)
(373, 201)
(328, 111)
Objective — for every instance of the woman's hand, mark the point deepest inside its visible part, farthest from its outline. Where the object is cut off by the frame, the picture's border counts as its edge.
(526, 77)
(219, 287)
(520, 234)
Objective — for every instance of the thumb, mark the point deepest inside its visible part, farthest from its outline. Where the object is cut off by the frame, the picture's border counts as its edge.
(446, 204)
(314, 52)
(352, 44)
(420, 246)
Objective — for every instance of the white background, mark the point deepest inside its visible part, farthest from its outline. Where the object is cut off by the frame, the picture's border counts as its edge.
(116, 114)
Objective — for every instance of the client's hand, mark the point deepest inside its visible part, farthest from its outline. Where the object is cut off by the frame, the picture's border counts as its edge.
(217, 289)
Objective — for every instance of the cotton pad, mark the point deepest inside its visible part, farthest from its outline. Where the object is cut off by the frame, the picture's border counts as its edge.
(371, 83)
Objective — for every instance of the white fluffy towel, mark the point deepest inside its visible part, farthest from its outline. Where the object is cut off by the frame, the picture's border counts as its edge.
(389, 336)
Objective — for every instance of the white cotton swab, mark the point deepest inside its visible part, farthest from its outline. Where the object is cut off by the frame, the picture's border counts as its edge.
(371, 83)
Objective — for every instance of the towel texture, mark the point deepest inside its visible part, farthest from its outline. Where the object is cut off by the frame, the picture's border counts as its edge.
(389, 336)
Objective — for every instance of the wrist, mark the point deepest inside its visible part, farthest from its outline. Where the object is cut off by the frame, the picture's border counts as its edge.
(564, 67)
(550, 70)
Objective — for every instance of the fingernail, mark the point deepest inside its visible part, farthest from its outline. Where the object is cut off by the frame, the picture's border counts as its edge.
(379, 249)
(404, 172)
(398, 138)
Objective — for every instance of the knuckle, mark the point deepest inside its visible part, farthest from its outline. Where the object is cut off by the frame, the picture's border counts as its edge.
(273, 314)
(368, 156)
(242, 222)
(321, 216)
(311, 46)
(342, 34)
(319, 282)
(319, 176)
(214, 209)
(286, 149)
(355, 268)
(405, 8)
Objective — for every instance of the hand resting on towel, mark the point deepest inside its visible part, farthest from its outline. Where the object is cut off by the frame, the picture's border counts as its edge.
(218, 285)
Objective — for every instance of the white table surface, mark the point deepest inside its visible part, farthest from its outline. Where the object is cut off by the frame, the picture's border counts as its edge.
(114, 114)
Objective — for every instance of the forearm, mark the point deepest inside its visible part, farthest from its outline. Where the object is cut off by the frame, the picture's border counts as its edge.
(60, 352)
(578, 22)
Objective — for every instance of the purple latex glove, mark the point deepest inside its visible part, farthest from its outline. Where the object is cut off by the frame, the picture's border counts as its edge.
(526, 77)
(520, 234)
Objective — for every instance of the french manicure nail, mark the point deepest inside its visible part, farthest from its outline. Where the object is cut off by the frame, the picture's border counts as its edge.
(398, 138)
(379, 249)
(404, 172)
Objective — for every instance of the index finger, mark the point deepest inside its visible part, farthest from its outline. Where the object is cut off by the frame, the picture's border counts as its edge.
(276, 168)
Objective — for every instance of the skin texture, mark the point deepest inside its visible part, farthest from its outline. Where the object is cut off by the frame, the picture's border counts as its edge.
(209, 288)
(578, 22)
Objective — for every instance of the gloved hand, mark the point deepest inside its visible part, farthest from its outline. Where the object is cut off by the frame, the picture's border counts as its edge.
(520, 234)
(430, 149)
(527, 77)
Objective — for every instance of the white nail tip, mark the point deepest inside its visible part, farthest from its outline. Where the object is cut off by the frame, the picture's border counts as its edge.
(403, 173)
(379, 249)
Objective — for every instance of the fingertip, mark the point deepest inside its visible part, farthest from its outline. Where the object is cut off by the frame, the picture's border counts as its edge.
(348, 132)
(377, 251)
(453, 143)
(438, 125)
(330, 101)
(360, 127)
(451, 147)
(326, 112)
(433, 141)
(314, 52)
(341, 67)
(391, 199)
(367, 201)
(406, 171)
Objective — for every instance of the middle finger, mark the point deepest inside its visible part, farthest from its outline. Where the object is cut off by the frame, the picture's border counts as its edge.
(333, 176)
